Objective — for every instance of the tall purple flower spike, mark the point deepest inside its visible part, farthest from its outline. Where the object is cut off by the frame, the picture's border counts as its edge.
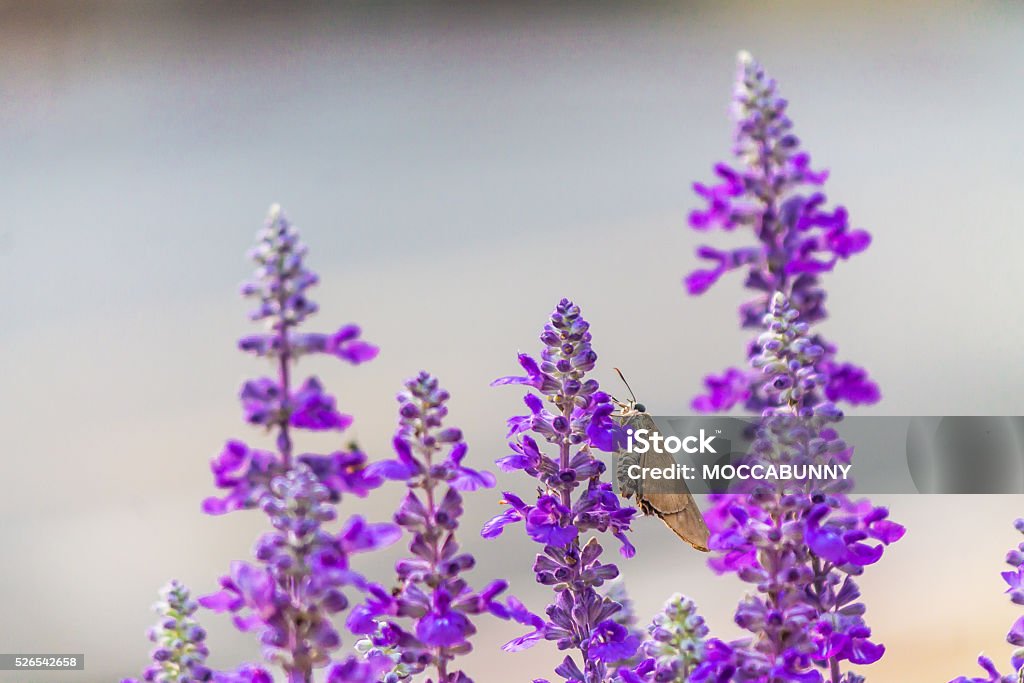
(1014, 578)
(774, 192)
(799, 544)
(569, 414)
(281, 405)
(289, 598)
(431, 593)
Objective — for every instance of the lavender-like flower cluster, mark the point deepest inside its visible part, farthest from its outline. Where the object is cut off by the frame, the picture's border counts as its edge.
(431, 589)
(676, 643)
(1014, 578)
(772, 192)
(288, 602)
(572, 499)
(798, 543)
(288, 599)
(180, 653)
(281, 287)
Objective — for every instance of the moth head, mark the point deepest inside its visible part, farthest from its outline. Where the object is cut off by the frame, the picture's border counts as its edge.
(631, 406)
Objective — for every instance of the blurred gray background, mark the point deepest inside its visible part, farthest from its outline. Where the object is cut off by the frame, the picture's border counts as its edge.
(455, 171)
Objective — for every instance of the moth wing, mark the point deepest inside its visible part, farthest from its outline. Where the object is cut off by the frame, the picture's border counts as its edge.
(678, 510)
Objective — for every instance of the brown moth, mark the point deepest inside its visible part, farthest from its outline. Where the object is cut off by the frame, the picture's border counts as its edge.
(676, 508)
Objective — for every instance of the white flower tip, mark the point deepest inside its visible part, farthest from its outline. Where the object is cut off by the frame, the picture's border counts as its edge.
(744, 58)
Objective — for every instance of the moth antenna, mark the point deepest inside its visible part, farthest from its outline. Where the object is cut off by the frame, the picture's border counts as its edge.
(628, 388)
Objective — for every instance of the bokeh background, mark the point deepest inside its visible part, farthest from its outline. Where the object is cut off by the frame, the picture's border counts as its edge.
(455, 171)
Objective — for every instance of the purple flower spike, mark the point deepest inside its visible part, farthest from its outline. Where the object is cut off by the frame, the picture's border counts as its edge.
(432, 593)
(180, 653)
(1014, 579)
(800, 543)
(569, 414)
(774, 193)
(289, 598)
(281, 288)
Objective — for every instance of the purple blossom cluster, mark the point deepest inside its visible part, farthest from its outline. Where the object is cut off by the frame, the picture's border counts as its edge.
(615, 590)
(676, 643)
(431, 592)
(1014, 578)
(801, 543)
(774, 192)
(180, 653)
(280, 286)
(288, 598)
(568, 413)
